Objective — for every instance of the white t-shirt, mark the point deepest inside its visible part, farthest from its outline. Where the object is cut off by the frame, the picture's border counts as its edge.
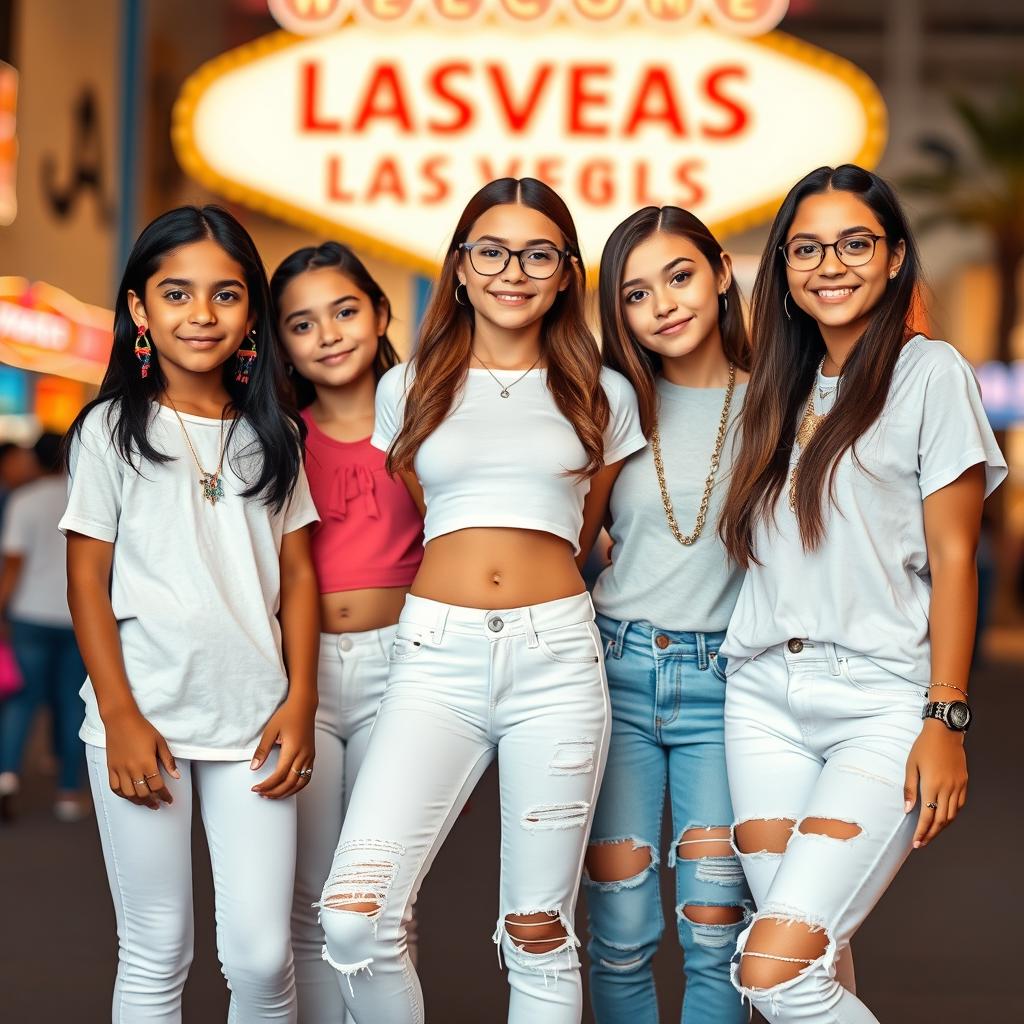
(195, 588)
(30, 530)
(497, 461)
(867, 587)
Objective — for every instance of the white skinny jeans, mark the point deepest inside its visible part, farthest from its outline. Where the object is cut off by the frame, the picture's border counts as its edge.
(814, 730)
(148, 855)
(527, 685)
(352, 674)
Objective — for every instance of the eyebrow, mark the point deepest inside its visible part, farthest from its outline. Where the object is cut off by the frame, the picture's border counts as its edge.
(859, 230)
(665, 269)
(334, 302)
(529, 244)
(185, 283)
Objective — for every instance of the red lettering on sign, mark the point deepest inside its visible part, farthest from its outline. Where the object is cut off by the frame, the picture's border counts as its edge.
(519, 117)
(384, 100)
(549, 170)
(695, 190)
(309, 89)
(432, 176)
(463, 112)
(489, 172)
(580, 98)
(738, 116)
(597, 182)
(386, 181)
(335, 191)
(655, 103)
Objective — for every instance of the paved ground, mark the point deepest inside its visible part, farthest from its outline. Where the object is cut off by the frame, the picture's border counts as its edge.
(941, 947)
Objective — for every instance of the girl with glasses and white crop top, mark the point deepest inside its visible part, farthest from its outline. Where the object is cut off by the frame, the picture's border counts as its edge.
(504, 418)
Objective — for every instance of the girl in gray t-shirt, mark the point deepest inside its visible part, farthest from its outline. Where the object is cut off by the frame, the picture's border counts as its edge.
(672, 324)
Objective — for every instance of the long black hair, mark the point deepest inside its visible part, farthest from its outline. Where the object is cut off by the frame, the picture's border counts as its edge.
(788, 347)
(341, 258)
(262, 403)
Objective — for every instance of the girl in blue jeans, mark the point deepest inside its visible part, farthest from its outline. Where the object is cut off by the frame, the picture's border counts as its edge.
(672, 324)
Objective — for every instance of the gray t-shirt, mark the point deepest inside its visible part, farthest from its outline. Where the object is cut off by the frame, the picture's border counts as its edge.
(653, 577)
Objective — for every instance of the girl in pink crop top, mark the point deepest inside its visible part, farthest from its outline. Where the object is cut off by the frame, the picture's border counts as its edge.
(332, 320)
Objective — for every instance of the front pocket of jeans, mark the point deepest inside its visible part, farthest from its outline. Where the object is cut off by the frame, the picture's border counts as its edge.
(717, 664)
(570, 645)
(862, 673)
(406, 645)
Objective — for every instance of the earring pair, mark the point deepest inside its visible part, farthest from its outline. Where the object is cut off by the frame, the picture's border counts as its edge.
(245, 357)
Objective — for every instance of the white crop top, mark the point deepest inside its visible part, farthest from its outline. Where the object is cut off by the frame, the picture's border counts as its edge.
(497, 461)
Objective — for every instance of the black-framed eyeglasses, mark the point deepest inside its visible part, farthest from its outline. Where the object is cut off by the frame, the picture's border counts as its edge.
(851, 251)
(539, 262)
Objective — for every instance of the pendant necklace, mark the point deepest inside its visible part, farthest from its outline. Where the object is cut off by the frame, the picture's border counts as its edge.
(211, 484)
(808, 426)
(505, 387)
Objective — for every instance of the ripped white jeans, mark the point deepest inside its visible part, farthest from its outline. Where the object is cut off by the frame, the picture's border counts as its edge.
(816, 731)
(526, 685)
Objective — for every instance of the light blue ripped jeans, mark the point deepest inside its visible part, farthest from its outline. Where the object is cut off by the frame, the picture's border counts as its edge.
(668, 695)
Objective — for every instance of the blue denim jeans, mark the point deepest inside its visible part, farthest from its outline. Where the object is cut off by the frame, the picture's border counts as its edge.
(668, 696)
(53, 673)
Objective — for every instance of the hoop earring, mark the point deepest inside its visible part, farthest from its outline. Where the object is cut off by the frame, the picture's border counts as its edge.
(466, 290)
(785, 307)
(245, 359)
(143, 351)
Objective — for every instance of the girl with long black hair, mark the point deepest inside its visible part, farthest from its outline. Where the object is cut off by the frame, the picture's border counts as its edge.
(194, 602)
(855, 506)
(333, 320)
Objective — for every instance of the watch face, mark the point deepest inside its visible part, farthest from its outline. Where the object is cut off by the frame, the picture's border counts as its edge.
(958, 714)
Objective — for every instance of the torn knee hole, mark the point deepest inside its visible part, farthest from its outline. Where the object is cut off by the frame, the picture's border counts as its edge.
(764, 835)
(702, 914)
(625, 860)
(572, 757)
(696, 843)
(542, 932)
(361, 885)
(778, 949)
(833, 828)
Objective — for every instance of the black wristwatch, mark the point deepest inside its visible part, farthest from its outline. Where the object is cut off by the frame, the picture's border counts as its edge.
(954, 714)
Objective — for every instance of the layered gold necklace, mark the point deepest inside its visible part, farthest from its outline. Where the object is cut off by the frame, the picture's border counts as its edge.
(716, 456)
(807, 429)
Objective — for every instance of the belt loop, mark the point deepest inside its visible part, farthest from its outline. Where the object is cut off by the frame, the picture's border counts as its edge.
(437, 633)
(531, 633)
(833, 658)
(702, 652)
(620, 639)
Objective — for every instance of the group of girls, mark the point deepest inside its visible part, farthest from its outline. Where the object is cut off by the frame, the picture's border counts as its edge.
(793, 527)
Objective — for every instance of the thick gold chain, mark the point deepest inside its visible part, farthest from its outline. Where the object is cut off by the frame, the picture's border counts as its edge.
(716, 456)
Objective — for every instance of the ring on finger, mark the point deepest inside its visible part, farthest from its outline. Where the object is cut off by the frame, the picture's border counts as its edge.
(934, 807)
(138, 782)
(154, 775)
(303, 773)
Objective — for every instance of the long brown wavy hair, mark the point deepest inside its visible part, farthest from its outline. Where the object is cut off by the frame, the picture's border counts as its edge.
(788, 347)
(446, 337)
(622, 351)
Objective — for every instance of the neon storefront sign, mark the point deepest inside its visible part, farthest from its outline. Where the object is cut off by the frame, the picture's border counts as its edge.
(380, 135)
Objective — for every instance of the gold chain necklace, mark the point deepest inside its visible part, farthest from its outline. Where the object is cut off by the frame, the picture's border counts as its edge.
(212, 484)
(716, 455)
(807, 429)
(505, 387)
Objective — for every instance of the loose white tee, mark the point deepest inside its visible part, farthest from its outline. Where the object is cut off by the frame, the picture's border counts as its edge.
(195, 588)
(30, 530)
(506, 462)
(868, 586)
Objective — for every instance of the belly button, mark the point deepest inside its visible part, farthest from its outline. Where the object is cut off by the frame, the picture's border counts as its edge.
(496, 579)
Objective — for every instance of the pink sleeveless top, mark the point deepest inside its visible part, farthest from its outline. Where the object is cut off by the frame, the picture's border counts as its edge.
(370, 532)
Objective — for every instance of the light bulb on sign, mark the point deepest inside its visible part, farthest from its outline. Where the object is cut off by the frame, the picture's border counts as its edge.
(309, 17)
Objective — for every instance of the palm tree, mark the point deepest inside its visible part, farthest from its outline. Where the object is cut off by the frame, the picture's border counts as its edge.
(984, 188)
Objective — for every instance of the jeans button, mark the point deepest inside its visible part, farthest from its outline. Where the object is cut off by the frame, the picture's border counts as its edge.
(662, 641)
(795, 646)
(345, 643)
(496, 624)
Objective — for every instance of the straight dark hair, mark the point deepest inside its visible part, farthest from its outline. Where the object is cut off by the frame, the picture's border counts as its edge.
(621, 350)
(262, 403)
(341, 258)
(446, 337)
(788, 347)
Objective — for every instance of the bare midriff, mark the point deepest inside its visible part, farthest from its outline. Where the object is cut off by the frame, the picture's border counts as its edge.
(355, 611)
(496, 568)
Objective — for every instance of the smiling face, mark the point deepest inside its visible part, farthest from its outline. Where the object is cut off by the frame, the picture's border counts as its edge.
(510, 299)
(329, 327)
(195, 307)
(670, 295)
(837, 296)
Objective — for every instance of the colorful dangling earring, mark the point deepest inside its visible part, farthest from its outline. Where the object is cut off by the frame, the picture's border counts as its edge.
(246, 357)
(143, 351)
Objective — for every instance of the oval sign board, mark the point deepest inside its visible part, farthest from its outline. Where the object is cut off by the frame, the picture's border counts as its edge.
(380, 135)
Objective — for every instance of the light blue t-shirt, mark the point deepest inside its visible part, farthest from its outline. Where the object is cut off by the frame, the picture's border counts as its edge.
(653, 577)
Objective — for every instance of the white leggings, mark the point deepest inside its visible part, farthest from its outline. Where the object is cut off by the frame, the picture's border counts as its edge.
(816, 731)
(352, 674)
(148, 855)
(526, 685)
